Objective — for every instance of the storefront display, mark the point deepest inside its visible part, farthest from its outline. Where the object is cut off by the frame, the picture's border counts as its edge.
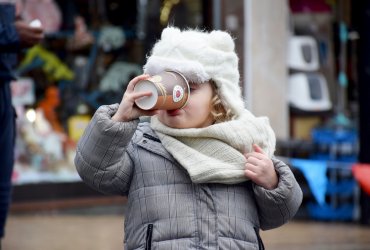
(90, 52)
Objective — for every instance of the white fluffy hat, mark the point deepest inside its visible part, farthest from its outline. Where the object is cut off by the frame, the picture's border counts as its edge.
(200, 56)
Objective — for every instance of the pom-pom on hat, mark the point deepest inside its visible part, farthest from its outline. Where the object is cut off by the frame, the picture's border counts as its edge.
(200, 56)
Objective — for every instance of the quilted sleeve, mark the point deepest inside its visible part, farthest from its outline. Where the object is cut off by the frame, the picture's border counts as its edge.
(279, 205)
(101, 159)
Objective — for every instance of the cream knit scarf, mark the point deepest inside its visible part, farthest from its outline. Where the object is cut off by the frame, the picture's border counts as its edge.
(214, 154)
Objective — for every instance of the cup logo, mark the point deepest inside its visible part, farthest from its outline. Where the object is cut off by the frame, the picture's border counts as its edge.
(177, 94)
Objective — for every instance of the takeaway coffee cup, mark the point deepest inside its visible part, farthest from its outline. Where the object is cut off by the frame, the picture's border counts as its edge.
(170, 90)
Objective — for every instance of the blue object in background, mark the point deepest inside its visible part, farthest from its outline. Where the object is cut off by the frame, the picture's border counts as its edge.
(315, 173)
(326, 191)
(327, 212)
(339, 144)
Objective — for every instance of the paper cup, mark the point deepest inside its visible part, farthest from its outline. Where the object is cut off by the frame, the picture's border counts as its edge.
(170, 90)
(35, 23)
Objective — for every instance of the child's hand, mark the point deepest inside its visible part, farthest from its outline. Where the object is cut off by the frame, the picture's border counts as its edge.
(260, 169)
(127, 110)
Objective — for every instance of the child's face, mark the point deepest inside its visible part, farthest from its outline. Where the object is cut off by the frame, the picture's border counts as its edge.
(197, 111)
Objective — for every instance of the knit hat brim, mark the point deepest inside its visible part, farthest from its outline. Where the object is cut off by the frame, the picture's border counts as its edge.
(192, 70)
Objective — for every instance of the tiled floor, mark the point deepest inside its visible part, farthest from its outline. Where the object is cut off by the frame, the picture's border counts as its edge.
(97, 232)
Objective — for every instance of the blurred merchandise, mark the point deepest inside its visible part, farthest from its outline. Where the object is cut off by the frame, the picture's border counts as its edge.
(337, 144)
(309, 92)
(40, 151)
(81, 70)
(23, 91)
(301, 126)
(48, 105)
(77, 123)
(111, 38)
(303, 53)
(118, 76)
(81, 38)
(362, 173)
(50, 63)
(315, 173)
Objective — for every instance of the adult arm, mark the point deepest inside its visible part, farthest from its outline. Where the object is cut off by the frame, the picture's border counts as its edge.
(16, 34)
(9, 38)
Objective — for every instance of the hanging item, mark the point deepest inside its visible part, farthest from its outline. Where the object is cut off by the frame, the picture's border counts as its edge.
(23, 91)
(362, 175)
(78, 122)
(166, 10)
(111, 38)
(47, 11)
(81, 38)
(303, 53)
(49, 105)
(309, 92)
(53, 67)
(315, 173)
(118, 76)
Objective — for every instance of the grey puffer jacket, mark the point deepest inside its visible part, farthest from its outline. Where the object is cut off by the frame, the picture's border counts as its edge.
(165, 209)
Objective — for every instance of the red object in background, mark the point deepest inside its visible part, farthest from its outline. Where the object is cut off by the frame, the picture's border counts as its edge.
(361, 173)
(309, 6)
(49, 105)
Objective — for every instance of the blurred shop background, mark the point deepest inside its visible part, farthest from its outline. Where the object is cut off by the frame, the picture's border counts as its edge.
(304, 63)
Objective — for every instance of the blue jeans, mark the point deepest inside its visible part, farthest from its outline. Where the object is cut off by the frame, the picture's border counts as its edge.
(7, 140)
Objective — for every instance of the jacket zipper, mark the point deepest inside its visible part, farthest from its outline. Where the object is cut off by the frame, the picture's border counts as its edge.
(150, 137)
(148, 238)
(260, 243)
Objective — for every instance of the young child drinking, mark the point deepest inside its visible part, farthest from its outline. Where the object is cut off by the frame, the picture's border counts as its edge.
(200, 177)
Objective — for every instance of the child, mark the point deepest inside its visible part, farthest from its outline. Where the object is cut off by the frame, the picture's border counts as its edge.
(200, 177)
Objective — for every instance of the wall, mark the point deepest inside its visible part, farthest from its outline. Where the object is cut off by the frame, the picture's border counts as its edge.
(265, 70)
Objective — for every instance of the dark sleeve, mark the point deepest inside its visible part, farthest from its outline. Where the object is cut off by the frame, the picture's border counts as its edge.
(9, 38)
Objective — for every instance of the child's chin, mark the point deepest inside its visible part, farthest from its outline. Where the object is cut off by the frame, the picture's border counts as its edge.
(175, 125)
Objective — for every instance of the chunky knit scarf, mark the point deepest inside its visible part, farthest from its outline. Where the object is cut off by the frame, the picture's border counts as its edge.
(214, 154)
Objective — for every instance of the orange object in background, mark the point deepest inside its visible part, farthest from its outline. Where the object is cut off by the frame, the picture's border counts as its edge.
(361, 173)
(48, 105)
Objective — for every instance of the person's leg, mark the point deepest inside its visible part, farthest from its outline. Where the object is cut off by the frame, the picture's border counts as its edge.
(7, 139)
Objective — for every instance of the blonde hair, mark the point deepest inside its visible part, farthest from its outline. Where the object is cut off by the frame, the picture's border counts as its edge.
(219, 112)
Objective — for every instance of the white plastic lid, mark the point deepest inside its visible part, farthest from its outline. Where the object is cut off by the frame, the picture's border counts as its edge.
(146, 102)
